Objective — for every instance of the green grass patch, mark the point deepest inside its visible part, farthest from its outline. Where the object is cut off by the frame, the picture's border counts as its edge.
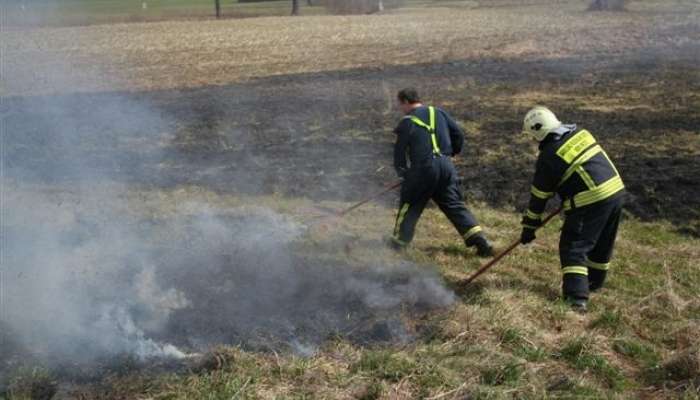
(521, 346)
(32, 383)
(507, 374)
(384, 364)
(580, 354)
(609, 319)
(637, 351)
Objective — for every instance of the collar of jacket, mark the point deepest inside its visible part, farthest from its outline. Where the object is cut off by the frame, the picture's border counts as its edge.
(557, 134)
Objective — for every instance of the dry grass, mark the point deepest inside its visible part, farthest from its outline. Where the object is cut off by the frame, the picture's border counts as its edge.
(507, 336)
(196, 53)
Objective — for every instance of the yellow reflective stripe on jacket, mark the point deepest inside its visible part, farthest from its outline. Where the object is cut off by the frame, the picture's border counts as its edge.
(585, 177)
(602, 192)
(540, 194)
(471, 232)
(590, 153)
(598, 266)
(430, 128)
(573, 147)
(610, 161)
(575, 270)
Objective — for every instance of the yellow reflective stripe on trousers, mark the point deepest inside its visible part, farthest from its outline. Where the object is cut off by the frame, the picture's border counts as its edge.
(598, 266)
(540, 194)
(575, 145)
(585, 157)
(471, 232)
(400, 218)
(580, 270)
(532, 215)
(398, 241)
(602, 192)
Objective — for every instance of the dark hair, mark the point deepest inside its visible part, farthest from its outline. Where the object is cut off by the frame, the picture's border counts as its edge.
(408, 95)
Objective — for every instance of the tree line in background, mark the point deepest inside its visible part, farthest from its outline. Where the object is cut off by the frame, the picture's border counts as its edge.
(372, 6)
(349, 6)
(607, 5)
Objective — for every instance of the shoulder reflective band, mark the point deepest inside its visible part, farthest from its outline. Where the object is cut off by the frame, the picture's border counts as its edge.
(590, 153)
(601, 192)
(540, 194)
(573, 147)
(575, 270)
(430, 128)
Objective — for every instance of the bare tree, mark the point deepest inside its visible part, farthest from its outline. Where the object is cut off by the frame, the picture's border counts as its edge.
(217, 6)
(607, 5)
(295, 7)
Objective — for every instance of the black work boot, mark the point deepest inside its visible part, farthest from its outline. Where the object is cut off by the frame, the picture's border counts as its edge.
(596, 279)
(578, 305)
(395, 244)
(483, 247)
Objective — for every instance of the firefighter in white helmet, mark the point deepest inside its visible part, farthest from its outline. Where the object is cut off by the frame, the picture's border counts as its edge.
(573, 165)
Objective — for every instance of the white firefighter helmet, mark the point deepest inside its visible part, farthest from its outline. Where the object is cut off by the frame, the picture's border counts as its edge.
(539, 122)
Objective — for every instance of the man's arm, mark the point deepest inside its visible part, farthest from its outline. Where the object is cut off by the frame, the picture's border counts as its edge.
(456, 134)
(542, 189)
(402, 131)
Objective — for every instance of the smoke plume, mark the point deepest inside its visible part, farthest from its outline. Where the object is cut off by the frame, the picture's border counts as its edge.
(89, 273)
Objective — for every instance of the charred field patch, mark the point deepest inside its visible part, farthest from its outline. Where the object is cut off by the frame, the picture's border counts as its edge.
(327, 136)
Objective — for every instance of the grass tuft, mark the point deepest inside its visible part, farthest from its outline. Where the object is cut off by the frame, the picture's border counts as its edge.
(580, 353)
(509, 373)
(384, 364)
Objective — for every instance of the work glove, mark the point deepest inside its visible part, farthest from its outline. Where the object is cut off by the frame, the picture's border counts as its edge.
(527, 236)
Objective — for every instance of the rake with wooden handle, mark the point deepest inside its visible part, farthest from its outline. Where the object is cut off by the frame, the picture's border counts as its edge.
(505, 252)
(368, 199)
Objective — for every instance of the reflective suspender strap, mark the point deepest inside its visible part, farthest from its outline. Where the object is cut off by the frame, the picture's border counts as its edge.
(433, 136)
(430, 128)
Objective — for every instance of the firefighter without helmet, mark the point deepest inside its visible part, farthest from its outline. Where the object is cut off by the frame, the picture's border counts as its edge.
(539, 122)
